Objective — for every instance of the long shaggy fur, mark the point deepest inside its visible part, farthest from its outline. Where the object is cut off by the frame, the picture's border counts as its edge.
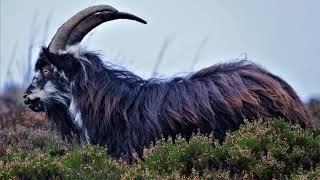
(88, 100)
(125, 113)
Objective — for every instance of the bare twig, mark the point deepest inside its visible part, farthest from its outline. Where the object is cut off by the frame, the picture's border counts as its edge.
(46, 29)
(9, 73)
(243, 56)
(32, 39)
(162, 51)
(196, 56)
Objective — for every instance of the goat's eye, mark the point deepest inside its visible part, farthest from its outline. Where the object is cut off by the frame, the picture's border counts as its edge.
(45, 72)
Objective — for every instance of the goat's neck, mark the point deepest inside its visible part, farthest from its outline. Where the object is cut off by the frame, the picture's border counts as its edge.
(59, 119)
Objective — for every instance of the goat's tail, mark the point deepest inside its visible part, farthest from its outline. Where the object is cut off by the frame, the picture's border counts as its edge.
(301, 115)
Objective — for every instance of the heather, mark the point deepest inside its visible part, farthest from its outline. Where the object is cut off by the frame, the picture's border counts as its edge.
(263, 149)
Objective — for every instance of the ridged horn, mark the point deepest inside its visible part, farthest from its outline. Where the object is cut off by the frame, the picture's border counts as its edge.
(76, 28)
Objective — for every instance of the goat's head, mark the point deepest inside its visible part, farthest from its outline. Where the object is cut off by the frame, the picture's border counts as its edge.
(57, 65)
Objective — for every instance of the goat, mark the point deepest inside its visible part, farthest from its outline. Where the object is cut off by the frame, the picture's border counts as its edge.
(99, 104)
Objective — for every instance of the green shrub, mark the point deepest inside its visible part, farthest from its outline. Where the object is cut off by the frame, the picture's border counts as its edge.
(269, 149)
(31, 167)
(313, 174)
(182, 157)
(258, 150)
(91, 162)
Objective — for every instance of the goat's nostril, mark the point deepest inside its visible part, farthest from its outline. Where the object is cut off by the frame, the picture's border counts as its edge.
(24, 96)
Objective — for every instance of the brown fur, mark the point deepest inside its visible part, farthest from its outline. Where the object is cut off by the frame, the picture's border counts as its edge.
(126, 113)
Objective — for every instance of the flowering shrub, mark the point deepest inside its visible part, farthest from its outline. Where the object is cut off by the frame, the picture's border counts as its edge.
(269, 149)
(262, 149)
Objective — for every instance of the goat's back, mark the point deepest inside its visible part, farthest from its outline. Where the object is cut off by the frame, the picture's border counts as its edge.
(219, 98)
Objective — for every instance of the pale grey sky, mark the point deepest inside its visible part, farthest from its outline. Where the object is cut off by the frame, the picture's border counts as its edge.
(282, 36)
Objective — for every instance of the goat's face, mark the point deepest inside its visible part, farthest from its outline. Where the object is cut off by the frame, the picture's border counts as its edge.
(50, 86)
(59, 64)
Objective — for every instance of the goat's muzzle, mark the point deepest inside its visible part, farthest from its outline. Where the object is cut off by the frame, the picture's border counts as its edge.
(35, 105)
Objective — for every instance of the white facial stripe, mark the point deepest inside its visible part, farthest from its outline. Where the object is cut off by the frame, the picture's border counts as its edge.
(54, 93)
(48, 93)
(42, 93)
(37, 93)
(50, 88)
(37, 74)
(36, 77)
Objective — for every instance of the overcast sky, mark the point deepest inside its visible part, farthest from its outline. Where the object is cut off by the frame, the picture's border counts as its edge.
(282, 36)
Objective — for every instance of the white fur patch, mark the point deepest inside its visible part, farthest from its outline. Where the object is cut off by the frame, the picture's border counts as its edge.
(50, 88)
(75, 113)
(37, 74)
(37, 93)
(74, 49)
(77, 119)
(63, 75)
(36, 77)
(42, 93)
(87, 136)
(53, 92)
(49, 92)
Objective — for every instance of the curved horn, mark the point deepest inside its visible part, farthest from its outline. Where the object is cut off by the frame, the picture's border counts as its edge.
(73, 31)
(59, 40)
(95, 20)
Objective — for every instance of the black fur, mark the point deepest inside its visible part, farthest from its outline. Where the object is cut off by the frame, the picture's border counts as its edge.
(125, 113)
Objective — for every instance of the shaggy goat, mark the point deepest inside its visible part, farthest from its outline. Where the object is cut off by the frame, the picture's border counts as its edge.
(100, 104)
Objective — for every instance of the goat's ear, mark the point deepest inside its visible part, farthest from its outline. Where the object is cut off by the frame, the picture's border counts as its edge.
(52, 58)
(46, 55)
(66, 62)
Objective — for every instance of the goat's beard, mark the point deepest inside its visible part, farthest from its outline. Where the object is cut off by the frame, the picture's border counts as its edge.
(37, 108)
(60, 120)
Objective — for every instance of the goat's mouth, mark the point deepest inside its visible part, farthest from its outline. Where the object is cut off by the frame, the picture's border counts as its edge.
(35, 105)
